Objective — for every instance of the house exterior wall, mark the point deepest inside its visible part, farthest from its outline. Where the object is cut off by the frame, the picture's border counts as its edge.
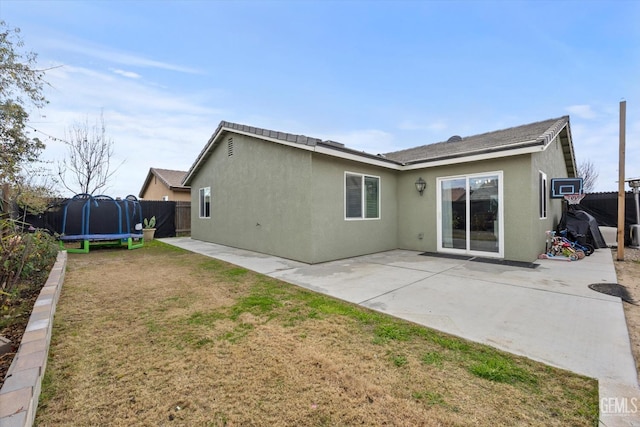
(290, 202)
(552, 163)
(296, 196)
(417, 215)
(522, 242)
(335, 237)
(156, 190)
(260, 198)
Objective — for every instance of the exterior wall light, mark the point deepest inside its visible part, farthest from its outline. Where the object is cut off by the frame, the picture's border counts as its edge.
(421, 185)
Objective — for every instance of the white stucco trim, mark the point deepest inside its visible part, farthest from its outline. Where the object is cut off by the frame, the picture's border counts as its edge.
(356, 158)
(475, 158)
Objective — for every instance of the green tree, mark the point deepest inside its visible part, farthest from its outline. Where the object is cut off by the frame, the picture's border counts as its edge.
(21, 87)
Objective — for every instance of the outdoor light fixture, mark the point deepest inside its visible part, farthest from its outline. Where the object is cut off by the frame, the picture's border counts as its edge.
(421, 185)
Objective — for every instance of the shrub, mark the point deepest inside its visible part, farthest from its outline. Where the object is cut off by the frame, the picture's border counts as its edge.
(24, 258)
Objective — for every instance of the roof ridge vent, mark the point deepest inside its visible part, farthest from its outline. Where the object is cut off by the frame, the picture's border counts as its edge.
(455, 138)
(333, 143)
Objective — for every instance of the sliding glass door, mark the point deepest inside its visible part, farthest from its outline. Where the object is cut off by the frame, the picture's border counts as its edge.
(470, 214)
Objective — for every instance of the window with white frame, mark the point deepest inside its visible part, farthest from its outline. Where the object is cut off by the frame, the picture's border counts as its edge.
(362, 196)
(470, 212)
(204, 202)
(543, 194)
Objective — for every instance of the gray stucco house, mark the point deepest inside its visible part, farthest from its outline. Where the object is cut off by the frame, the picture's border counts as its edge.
(314, 201)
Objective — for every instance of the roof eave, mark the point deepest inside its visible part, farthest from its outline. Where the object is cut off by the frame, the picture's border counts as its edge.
(204, 154)
(572, 167)
(567, 147)
(472, 157)
(319, 147)
(146, 183)
(524, 147)
(505, 150)
(362, 156)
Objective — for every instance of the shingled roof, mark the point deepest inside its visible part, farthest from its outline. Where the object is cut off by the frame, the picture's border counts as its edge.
(494, 144)
(274, 134)
(302, 141)
(171, 178)
(538, 133)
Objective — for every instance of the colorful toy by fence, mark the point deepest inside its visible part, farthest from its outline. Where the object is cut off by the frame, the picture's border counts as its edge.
(560, 248)
(101, 221)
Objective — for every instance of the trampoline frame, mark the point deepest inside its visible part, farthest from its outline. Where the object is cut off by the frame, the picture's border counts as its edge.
(87, 239)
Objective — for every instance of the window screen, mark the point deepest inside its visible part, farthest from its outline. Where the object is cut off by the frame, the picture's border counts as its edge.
(362, 196)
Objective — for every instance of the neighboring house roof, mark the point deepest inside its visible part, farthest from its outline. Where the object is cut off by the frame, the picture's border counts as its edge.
(172, 179)
(523, 139)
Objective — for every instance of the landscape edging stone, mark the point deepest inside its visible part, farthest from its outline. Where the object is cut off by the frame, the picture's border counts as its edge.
(21, 390)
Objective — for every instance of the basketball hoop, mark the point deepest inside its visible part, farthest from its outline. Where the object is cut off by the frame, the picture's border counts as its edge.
(574, 199)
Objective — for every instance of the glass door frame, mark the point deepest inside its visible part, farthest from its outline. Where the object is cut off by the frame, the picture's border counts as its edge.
(500, 215)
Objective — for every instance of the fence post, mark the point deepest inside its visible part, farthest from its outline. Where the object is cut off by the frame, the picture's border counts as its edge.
(621, 177)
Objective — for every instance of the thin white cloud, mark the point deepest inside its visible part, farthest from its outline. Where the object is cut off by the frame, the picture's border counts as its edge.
(128, 74)
(150, 125)
(583, 111)
(114, 56)
(85, 89)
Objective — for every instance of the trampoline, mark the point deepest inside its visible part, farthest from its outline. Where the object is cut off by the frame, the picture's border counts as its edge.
(101, 221)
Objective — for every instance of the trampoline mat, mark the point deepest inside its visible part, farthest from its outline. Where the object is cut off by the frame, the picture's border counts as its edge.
(613, 289)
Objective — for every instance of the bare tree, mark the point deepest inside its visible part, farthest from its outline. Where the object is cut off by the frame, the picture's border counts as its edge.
(87, 167)
(589, 174)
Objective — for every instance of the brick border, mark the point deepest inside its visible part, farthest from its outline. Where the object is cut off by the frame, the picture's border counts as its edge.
(21, 390)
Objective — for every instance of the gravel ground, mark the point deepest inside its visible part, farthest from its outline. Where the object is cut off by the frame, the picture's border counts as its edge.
(629, 254)
(628, 273)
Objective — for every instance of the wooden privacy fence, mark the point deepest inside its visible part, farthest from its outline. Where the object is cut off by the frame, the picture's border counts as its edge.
(183, 218)
(172, 218)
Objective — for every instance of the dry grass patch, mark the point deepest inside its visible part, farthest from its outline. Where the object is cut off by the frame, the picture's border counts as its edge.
(163, 337)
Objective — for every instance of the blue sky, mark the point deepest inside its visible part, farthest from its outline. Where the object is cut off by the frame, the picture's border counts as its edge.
(378, 76)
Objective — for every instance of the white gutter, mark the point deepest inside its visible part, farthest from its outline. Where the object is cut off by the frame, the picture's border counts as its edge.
(357, 158)
(474, 158)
